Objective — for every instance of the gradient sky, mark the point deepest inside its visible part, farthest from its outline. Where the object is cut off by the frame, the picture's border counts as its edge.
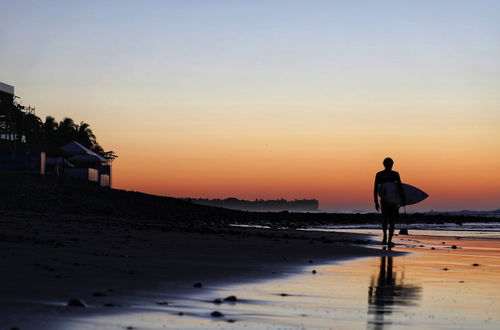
(271, 99)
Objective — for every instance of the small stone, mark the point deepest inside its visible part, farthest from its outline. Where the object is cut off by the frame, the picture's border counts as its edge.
(475, 265)
(231, 321)
(198, 285)
(443, 242)
(433, 248)
(163, 303)
(284, 294)
(76, 303)
(314, 271)
(231, 299)
(217, 314)
(445, 269)
(453, 246)
(180, 313)
(310, 261)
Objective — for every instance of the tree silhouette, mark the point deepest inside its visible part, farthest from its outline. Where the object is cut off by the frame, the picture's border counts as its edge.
(50, 134)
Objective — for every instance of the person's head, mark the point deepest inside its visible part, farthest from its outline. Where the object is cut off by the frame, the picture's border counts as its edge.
(388, 162)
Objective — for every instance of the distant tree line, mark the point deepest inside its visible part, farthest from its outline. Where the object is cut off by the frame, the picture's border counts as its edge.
(298, 205)
(49, 134)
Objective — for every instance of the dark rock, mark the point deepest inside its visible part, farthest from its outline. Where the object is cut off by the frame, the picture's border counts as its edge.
(180, 313)
(231, 299)
(76, 303)
(453, 246)
(231, 321)
(475, 265)
(217, 301)
(217, 314)
(314, 271)
(284, 294)
(445, 268)
(163, 303)
(198, 285)
(433, 248)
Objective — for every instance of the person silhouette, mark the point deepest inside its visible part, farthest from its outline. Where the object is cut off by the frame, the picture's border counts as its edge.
(390, 212)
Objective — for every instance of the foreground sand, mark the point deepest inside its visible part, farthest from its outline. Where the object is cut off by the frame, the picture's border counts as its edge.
(112, 263)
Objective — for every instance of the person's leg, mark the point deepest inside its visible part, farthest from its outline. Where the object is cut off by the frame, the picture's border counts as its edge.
(384, 229)
(391, 230)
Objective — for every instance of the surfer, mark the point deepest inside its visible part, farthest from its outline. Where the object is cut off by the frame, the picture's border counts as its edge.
(390, 212)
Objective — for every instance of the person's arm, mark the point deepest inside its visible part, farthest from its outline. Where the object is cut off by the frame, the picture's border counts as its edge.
(401, 191)
(375, 193)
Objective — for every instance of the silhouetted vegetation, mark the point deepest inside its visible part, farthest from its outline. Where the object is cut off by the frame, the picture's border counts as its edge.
(50, 134)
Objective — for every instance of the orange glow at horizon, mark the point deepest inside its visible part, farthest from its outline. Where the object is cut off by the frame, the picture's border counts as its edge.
(335, 165)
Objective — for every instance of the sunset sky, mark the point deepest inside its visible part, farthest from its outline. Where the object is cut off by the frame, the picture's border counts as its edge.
(272, 99)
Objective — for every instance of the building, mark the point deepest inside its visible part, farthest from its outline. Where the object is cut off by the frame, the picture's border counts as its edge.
(14, 155)
(86, 164)
(17, 156)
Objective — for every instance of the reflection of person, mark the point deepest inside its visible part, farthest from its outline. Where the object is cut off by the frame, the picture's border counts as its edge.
(382, 292)
(390, 212)
(388, 290)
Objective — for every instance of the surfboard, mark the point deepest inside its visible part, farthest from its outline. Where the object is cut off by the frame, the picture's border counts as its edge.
(389, 192)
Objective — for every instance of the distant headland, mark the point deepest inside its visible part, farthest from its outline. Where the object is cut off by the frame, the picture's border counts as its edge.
(274, 205)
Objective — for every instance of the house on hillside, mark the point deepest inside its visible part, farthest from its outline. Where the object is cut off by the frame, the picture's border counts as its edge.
(24, 150)
(85, 164)
(15, 156)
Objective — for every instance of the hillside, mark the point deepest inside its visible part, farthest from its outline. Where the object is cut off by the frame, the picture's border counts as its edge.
(57, 195)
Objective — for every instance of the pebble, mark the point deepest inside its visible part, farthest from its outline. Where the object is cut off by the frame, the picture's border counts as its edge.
(475, 265)
(217, 314)
(198, 285)
(314, 271)
(453, 246)
(231, 299)
(217, 301)
(164, 303)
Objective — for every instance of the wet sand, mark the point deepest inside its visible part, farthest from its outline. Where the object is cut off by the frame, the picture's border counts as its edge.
(121, 266)
(433, 286)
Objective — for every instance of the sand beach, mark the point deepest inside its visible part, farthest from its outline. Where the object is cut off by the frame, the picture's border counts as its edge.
(148, 276)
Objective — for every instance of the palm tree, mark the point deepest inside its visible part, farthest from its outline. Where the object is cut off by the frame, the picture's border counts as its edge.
(85, 136)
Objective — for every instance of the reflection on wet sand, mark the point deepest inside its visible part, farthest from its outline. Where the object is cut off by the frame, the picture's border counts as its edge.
(387, 291)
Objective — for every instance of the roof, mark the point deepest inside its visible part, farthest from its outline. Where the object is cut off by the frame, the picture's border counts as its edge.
(6, 88)
(81, 153)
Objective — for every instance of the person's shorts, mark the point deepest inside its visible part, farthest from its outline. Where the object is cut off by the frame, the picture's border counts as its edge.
(389, 210)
